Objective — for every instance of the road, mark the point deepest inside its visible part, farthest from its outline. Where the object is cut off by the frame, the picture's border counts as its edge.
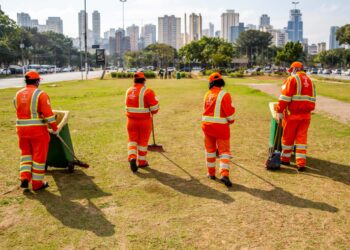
(49, 78)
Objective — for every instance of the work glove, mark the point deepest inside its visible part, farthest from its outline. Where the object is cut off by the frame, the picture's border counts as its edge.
(279, 117)
(53, 132)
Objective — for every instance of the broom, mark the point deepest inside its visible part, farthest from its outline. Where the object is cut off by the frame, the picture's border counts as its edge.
(154, 147)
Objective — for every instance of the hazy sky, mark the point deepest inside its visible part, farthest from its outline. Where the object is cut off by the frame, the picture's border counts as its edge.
(318, 15)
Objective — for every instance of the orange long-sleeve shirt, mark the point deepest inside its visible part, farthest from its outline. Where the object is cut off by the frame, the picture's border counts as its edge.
(140, 102)
(298, 97)
(34, 112)
(218, 113)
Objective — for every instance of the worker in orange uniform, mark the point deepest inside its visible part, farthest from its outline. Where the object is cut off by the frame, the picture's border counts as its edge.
(297, 101)
(218, 115)
(34, 115)
(141, 103)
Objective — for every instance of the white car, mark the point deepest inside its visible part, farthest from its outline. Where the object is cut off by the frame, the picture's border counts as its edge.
(5, 71)
(346, 72)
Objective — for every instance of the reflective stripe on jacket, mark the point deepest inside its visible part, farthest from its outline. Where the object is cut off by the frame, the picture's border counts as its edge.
(298, 97)
(140, 102)
(218, 113)
(33, 112)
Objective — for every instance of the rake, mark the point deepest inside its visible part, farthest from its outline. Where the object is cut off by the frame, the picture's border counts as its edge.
(154, 147)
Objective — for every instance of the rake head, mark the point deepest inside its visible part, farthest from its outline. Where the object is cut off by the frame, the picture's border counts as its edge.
(155, 148)
(81, 164)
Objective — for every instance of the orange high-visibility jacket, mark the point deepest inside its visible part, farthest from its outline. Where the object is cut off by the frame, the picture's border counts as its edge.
(218, 113)
(33, 112)
(298, 97)
(140, 102)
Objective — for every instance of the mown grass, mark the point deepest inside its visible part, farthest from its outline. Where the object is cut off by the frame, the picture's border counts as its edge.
(172, 204)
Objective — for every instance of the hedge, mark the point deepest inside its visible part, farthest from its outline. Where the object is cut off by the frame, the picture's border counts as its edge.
(148, 74)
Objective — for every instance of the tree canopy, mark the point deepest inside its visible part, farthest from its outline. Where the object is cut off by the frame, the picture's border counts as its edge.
(208, 50)
(293, 51)
(343, 34)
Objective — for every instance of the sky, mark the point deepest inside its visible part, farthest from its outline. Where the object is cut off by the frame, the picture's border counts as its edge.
(318, 15)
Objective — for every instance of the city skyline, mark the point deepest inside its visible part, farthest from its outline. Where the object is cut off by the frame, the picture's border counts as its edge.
(250, 12)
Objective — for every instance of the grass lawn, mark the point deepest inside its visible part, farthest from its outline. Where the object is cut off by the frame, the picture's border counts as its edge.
(339, 90)
(172, 205)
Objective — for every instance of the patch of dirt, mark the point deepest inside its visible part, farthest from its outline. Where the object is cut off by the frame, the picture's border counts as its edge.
(336, 109)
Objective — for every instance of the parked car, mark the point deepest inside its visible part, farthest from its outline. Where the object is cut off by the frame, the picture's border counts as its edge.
(186, 69)
(132, 70)
(320, 71)
(346, 72)
(326, 72)
(5, 71)
(150, 68)
(313, 71)
(336, 71)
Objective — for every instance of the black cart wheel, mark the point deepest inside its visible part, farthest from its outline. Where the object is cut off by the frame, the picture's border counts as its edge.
(70, 167)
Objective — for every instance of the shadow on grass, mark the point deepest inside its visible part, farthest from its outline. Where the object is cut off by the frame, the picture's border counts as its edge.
(73, 214)
(335, 171)
(191, 187)
(279, 195)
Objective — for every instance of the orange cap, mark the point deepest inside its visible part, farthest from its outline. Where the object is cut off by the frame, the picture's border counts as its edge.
(139, 75)
(297, 65)
(32, 75)
(215, 76)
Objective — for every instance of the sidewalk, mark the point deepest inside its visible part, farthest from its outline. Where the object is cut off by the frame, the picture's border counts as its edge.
(337, 110)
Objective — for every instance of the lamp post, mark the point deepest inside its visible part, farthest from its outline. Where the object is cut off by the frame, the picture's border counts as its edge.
(85, 40)
(123, 1)
(295, 4)
(22, 47)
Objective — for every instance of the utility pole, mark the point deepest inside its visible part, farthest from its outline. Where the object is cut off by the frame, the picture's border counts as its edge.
(85, 41)
(123, 1)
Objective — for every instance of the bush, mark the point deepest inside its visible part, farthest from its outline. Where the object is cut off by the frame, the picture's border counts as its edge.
(257, 73)
(208, 72)
(113, 74)
(148, 74)
(238, 74)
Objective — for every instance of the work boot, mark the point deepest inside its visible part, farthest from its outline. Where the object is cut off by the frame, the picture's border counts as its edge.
(24, 183)
(301, 168)
(211, 177)
(133, 165)
(44, 186)
(226, 181)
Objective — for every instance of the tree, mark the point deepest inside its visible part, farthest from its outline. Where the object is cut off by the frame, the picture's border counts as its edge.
(9, 34)
(163, 54)
(208, 50)
(343, 34)
(254, 42)
(290, 53)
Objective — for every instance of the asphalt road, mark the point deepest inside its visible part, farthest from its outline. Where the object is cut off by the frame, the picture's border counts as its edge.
(48, 78)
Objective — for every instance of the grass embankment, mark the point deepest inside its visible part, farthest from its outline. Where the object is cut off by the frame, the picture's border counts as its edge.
(174, 205)
(339, 90)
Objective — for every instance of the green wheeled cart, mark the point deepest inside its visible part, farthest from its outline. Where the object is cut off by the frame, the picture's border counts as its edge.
(273, 161)
(61, 152)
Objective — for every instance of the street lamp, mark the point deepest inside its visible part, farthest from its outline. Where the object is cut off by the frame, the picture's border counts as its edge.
(123, 1)
(22, 47)
(85, 39)
(295, 4)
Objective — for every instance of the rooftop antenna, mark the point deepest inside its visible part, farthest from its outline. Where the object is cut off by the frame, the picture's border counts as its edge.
(295, 4)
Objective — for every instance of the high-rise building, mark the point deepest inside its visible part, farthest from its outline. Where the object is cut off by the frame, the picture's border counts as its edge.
(82, 20)
(96, 26)
(236, 31)
(333, 43)
(54, 24)
(264, 21)
(217, 33)
(211, 30)
(169, 31)
(195, 27)
(24, 20)
(112, 46)
(250, 27)
(228, 20)
(321, 47)
(148, 33)
(295, 26)
(279, 37)
(312, 49)
(133, 32)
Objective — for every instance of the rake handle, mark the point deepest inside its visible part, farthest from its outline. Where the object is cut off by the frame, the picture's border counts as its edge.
(153, 136)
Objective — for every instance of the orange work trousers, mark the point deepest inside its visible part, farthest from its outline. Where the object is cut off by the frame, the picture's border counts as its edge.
(295, 134)
(139, 131)
(223, 146)
(33, 158)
